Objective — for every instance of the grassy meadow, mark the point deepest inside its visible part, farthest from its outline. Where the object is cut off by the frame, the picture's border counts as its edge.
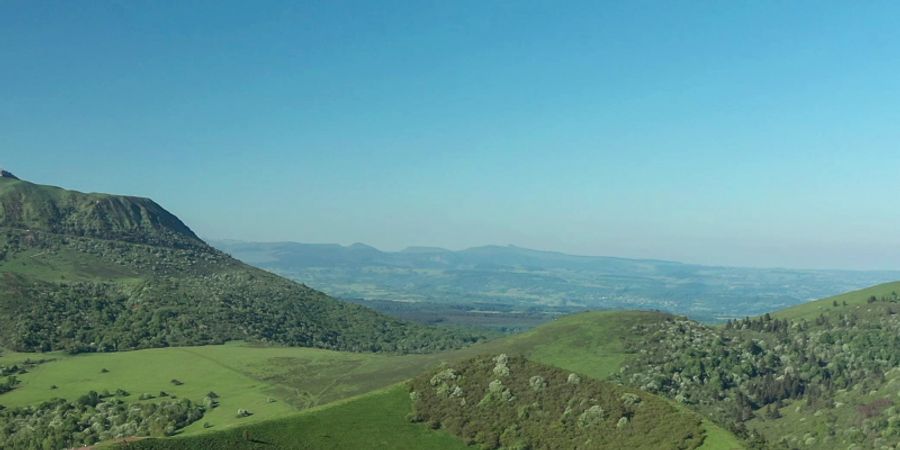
(268, 381)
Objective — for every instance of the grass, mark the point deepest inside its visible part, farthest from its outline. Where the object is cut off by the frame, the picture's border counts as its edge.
(151, 371)
(268, 381)
(588, 343)
(854, 300)
(717, 438)
(64, 265)
(375, 421)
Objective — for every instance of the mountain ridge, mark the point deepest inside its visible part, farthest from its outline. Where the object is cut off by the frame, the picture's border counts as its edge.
(512, 249)
(29, 206)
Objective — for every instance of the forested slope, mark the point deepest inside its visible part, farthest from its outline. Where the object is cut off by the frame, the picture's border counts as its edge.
(827, 380)
(97, 272)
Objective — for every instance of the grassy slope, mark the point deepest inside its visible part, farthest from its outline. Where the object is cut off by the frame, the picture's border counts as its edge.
(855, 299)
(149, 371)
(246, 376)
(718, 438)
(588, 343)
(375, 421)
(64, 266)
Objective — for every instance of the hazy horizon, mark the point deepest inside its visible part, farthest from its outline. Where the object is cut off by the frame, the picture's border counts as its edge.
(546, 250)
(756, 134)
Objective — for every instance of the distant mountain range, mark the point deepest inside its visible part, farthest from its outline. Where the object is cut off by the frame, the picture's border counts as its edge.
(97, 272)
(515, 277)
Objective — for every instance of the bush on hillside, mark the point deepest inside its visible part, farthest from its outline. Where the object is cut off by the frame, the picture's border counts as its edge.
(511, 402)
(93, 418)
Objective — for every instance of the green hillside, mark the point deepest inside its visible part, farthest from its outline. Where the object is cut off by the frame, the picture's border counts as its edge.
(95, 272)
(511, 402)
(847, 302)
(376, 421)
(825, 379)
(247, 375)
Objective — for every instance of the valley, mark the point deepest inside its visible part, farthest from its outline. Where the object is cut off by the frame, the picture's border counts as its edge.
(508, 288)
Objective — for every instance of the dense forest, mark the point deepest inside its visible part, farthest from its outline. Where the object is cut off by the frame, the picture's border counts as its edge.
(829, 377)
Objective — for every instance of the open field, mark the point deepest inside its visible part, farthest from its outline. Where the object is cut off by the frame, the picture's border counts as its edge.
(718, 438)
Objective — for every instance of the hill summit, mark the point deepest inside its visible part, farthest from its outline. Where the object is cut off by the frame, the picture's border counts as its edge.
(99, 272)
(5, 174)
(29, 206)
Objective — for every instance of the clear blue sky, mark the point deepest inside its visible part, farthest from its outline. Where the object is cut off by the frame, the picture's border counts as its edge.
(742, 133)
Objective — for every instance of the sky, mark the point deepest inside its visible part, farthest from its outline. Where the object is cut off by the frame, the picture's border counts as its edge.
(748, 133)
